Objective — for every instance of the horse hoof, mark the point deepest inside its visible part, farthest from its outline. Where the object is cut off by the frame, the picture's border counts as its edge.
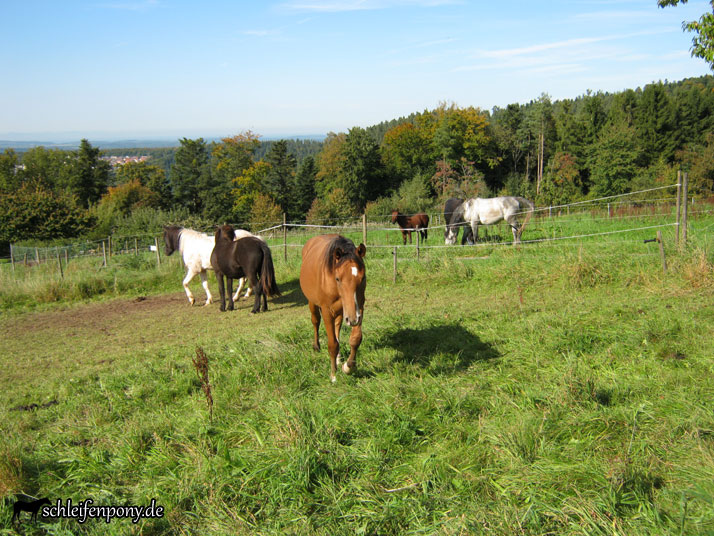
(316, 347)
(333, 379)
(347, 369)
(191, 301)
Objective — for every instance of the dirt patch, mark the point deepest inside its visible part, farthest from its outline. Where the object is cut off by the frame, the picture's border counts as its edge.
(101, 316)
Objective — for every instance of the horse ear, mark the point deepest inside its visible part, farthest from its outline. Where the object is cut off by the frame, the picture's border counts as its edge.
(361, 250)
(338, 254)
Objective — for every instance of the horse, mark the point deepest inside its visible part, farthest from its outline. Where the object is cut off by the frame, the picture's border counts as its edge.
(246, 257)
(196, 250)
(417, 222)
(28, 506)
(449, 208)
(333, 279)
(477, 211)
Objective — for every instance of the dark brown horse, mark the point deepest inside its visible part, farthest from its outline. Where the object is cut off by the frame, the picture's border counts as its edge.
(333, 279)
(248, 257)
(24, 506)
(417, 222)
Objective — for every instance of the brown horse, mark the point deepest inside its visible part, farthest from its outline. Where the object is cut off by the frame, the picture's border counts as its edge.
(332, 277)
(417, 222)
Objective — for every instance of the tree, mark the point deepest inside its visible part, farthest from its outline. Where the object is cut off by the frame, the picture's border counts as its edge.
(9, 179)
(703, 40)
(330, 164)
(89, 178)
(561, 182)
(36, 212)
(189, 173)
(304, 192)
(655, 124)
(264, 212)
(362, 170)
(246, 188)
(614, 162)
(148, 175)
(279, 181)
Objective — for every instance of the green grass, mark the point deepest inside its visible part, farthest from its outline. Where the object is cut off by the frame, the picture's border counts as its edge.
(555, 388)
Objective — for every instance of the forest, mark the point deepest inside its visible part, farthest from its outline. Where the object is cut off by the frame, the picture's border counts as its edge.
(552, 152)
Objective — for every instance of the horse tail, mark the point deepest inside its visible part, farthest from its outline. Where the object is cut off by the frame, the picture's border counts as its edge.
(523, 202)
(267, 273)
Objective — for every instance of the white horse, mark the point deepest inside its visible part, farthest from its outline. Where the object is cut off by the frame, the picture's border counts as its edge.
(477, 211)
(196, 248)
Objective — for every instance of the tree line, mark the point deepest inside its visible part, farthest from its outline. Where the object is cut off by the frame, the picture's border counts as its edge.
(553, 152)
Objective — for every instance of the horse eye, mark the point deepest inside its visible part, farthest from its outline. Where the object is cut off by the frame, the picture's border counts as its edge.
(337, 279)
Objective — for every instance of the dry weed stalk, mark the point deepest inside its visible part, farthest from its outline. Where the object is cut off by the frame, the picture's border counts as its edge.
(200, 363)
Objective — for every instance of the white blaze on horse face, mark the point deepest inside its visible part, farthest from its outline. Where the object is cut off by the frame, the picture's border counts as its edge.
(354, 271)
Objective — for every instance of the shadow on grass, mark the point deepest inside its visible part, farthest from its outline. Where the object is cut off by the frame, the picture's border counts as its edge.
(291, 294)
(443, 349)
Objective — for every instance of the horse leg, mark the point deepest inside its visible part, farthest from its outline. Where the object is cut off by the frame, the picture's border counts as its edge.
(474, 231)
(230, 293)
(355, 341)
(410, 237)
(186, 281)
(514, 228)
(258, 288)
(315, 317)
(221, 290)
(332, 345)
(338, 328)
(204, 283)
(241, 282)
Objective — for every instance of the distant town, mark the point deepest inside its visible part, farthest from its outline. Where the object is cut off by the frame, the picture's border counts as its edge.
(115, 161)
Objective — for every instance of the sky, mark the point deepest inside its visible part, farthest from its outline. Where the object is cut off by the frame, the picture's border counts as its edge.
(120, 69)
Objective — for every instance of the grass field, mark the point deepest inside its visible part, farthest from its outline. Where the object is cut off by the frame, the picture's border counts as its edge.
(557, 388)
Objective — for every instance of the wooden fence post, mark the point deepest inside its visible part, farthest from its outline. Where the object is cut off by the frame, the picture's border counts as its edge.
(109, 246)
(158, 254)
(364, 228)
(684, 204)
(609, 213)
(136, 246)
(37, 256)
(418, 234)
(104, 253)
(59, 264)
(679, 206)
(661, 251)
(394, 271)
(12, 259)
(285, 238)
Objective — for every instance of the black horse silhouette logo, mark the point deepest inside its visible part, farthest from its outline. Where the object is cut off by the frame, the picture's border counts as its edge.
(28, 506)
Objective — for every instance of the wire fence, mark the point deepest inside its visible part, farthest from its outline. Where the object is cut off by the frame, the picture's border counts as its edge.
(558, 223)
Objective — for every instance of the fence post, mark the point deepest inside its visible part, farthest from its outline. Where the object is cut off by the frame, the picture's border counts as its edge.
(285, 238)
(394, 271)
(37, 256)
(364, 228)
(104, 252)
(158, 254)
(66, 257)
(661, 251)
(679, 206)
(59, 264)
(12, 259)
(136, 246)
(609, 213)
(417, 243)
(684, 204)
(109, 246)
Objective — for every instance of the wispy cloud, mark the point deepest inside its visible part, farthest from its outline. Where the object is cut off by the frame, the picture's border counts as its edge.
(337, 6)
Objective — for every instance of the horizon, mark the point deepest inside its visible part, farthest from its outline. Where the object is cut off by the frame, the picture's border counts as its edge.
(164, 69)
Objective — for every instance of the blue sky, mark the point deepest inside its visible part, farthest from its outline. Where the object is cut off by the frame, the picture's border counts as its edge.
(173, 68)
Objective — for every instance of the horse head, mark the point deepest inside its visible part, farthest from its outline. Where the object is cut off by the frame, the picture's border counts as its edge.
(451, 233)
(349, 273)
(395, 215)
(225, 232)
(171, 238)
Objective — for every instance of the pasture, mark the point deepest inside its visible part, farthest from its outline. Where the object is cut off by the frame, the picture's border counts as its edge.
(555, 388)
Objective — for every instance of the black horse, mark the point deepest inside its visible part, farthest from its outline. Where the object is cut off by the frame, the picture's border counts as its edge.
(248, 257)
(449, 212)
(24, 506)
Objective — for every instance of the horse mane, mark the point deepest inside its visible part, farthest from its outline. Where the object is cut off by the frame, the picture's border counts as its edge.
(348, 252)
